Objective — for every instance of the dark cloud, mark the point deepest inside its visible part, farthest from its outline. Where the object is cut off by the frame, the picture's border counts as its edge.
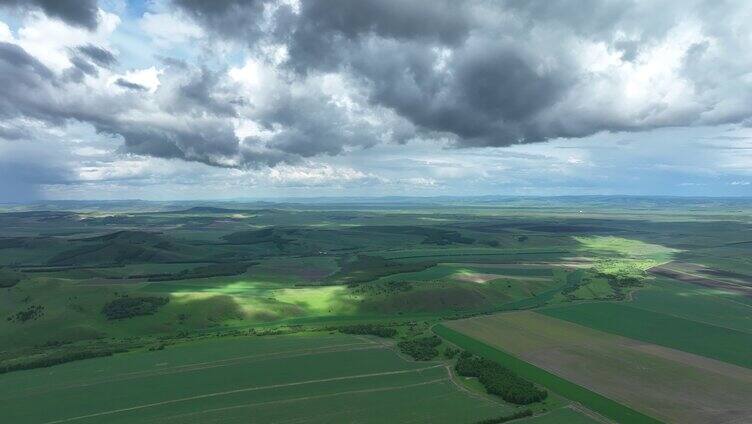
(356, 74)
(29, 89)
(487, 93)
(227, 18)
(84, 66)
(24, 84)
(81, 13)
(130, 85)
(99, 55)
(199, 94)
(482, 73)
(85, 60)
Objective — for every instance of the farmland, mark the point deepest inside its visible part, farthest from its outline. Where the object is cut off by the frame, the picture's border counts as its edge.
(721, 343)
(692, 388)
(232, 310)
(271, 379)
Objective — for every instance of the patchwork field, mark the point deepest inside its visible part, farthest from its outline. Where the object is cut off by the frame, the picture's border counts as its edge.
(668, 384)
(712, 341)
(298, 378)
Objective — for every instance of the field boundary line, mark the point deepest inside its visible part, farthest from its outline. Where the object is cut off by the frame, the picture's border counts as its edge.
(350, 392)
(199, 366)
(245, 389)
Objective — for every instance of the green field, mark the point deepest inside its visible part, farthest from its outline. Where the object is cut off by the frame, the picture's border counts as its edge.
(315, 378)
(695, 303)
(713, 341)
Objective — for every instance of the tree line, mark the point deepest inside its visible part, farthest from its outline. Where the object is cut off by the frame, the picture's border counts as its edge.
(499, 380)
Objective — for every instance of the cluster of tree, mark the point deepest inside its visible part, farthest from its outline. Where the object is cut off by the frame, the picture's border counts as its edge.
(127, 307)
(49, 361)
(450, 352)
(505, 418)
(499, 380)
(207, 271)
(398, 286)
(30, 313)
(421, 348)
(372, 329)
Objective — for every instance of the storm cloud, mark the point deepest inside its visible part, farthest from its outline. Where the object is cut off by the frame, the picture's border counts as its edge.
(501, 73)
(253, 84)
(75, 12)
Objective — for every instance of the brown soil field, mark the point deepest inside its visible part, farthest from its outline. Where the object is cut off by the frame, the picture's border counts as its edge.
(692, 274)
(668, 384)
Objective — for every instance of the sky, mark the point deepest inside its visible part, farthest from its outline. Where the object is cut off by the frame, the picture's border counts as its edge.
(243, 99)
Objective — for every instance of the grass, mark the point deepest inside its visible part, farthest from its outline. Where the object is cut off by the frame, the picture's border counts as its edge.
(321, 377)
(562, 415)
(622, 257)
(591, 400)
(712, 341)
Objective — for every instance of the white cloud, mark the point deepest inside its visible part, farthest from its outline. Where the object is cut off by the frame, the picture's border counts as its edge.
(313, 174)
(167, 29)
(50, 39)
(148, 77)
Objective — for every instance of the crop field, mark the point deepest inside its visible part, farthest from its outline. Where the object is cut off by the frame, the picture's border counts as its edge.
(722, 343)
(664, 383)
(304, 378)
(695, 303)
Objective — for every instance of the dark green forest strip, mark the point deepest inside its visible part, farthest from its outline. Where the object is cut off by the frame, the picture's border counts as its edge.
(589, 399)
(715, 342)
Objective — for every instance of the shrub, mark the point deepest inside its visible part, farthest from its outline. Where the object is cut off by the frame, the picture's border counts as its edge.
(505, 418)
(372, 329)
(421, 348)
(31, 313)
(49, 361)
(127, 307)
(450, 353)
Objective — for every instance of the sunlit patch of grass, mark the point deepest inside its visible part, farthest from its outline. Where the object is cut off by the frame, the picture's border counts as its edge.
(473, 276)
(630, 248)
(265, 302)
(623, 258)
(318, 300)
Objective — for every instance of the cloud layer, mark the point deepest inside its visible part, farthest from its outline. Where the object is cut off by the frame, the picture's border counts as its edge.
(253, 85)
